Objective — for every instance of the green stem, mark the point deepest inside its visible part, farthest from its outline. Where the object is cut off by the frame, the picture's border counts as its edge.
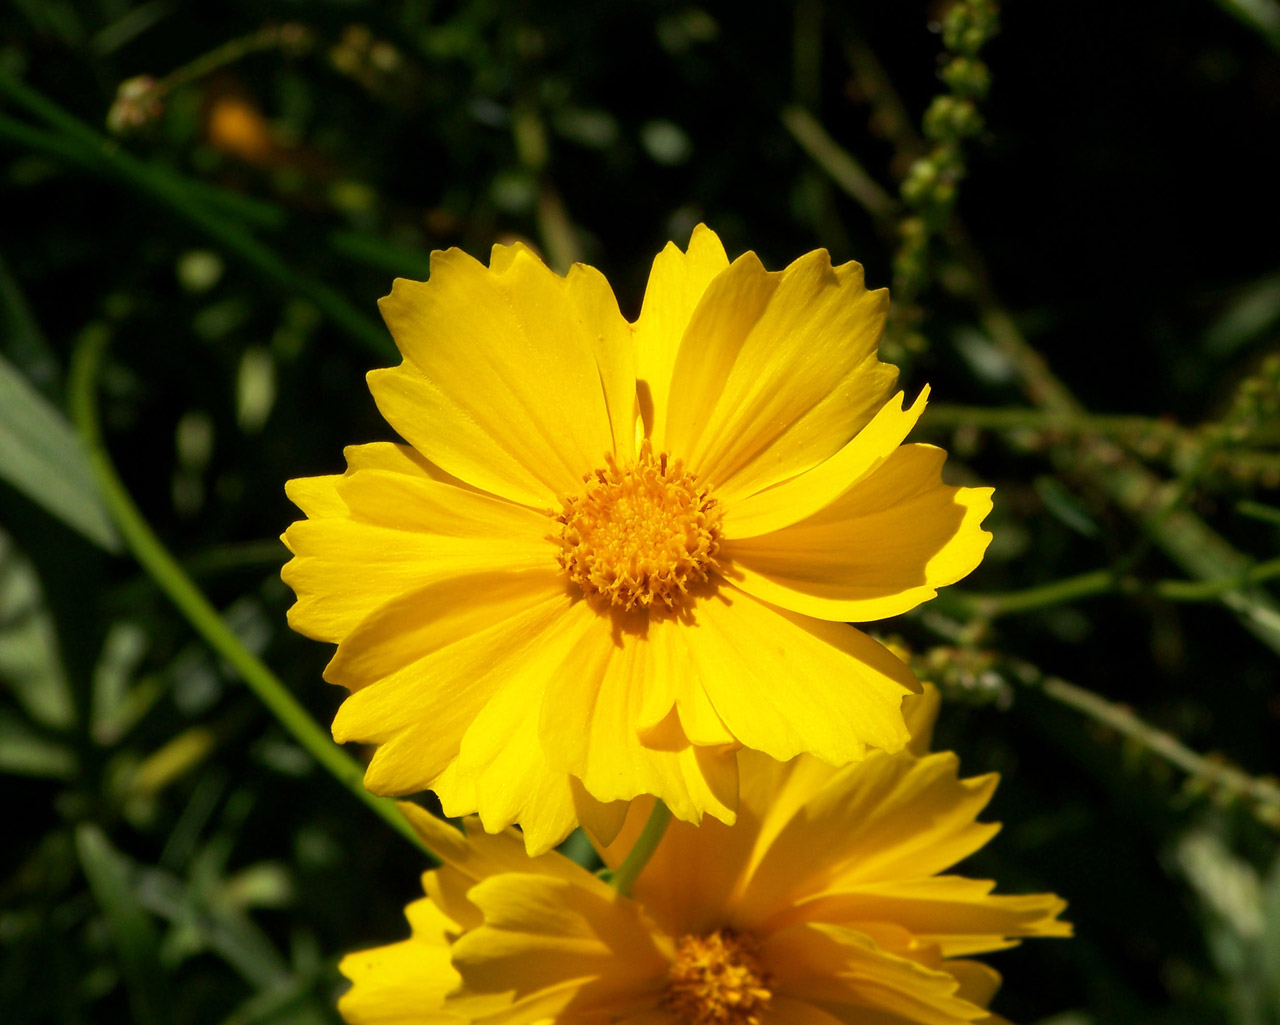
(1108, 581)
(168, 575)
(1258, 511)
(1263, 793)
(992, 605)
(947, 415)
(270, 38)
(646, 843)
(843, 169)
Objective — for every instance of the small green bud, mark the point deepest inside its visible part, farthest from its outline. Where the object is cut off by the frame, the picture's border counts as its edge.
(967, 77)
(919, 183)
(949, 119)
(969, 24)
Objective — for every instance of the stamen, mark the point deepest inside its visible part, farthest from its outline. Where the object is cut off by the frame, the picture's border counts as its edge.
(640, 536)
(717, 979)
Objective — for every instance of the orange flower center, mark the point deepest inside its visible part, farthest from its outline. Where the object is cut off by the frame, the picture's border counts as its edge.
(717, 979)
(640, 536)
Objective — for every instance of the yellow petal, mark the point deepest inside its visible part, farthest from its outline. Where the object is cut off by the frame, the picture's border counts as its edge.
(590, 716)
(344, 570)
(416, 625)
(548, 944)
(784, 1010)
(688, 882)
(776, 372)
(676, 284)
(513, 779)
(886, 818)
(886, 545)
(978, 984)
(807, 493)
(478, 854)
(420, 712)
(386, 455)
(317, 497)
(960, 916)
(501, 384)
(416, 503)
(397, 531)
(784, 684)
(614, 348)
(842, 968)
(921, 712)
(403, 983)
(602, 820)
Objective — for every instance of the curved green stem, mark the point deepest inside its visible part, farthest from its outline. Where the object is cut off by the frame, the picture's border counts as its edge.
(1215, 772)
(646, 843)
(168, 575)
(1107, 581)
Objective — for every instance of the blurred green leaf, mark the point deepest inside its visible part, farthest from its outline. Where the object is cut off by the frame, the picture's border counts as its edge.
(29, 662)
(41, 456)
(1255, 310)
(210, 921)
(122, 651)
(24, 342)
(1263, 16)
(24, 752)
(132, 932)
(292, 1003)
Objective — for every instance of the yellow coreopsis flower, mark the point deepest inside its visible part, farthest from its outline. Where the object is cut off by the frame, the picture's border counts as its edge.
(822, 906)
(612, 554)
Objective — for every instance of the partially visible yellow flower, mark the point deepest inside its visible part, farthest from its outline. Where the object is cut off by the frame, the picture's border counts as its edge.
(823, 905)
(613, 554)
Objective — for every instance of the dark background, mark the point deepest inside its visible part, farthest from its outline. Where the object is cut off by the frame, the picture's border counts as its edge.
(1123, 195)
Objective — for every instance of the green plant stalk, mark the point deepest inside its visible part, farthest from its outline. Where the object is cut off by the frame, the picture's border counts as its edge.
(1106, 581)
(130, 928)
(164, 570)
(1263, 792)
(1258, 511)
(1136, 433)
(843, 169)
(172, 191)
(646, 843)
(270, 38)
(943, 414)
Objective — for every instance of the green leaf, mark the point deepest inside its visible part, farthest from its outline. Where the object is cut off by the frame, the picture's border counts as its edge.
(24, 752)
(132, 932)
(24, 342)
(41, 456)
(29, 662)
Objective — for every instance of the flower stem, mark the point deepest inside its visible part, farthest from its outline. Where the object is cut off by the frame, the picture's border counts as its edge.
(646, 843)
(1213, 772)
(191, 602)
(990, 605)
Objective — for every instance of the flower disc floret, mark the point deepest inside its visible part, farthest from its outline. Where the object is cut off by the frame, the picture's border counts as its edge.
(640, 535)
(717, 979)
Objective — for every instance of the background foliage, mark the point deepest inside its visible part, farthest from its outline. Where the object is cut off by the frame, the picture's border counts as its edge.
(1085, 270)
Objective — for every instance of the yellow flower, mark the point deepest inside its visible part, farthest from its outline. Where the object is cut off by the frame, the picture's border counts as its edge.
(822, 905)
(612, 554)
